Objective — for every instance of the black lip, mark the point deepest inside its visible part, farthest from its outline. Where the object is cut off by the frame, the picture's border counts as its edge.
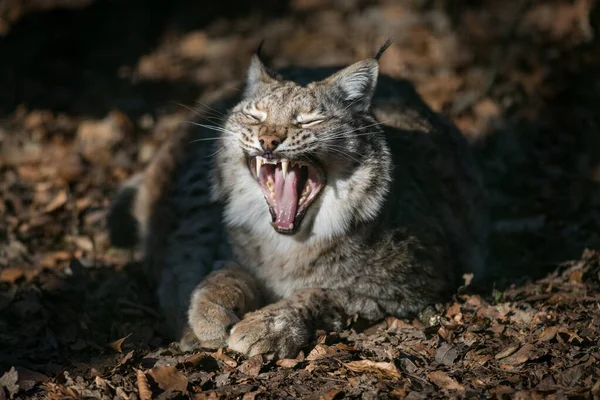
(302, 211)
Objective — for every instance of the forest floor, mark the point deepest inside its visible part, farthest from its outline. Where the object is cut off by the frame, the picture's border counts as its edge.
(89, 93)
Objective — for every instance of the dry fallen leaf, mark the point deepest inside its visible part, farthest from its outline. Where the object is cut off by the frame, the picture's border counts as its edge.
(522, 355)
(506, 352)
(576, 277)
(252, 366)
(287, 362)
(28, 379)
(169, 378)
(384, 368)
(446, 354)
(219, 355)
(395, 324)
(320, 351)
(143, 387)
(548, 334)
(117, 344)
(58, 201)
(11, 274)
(443, 381)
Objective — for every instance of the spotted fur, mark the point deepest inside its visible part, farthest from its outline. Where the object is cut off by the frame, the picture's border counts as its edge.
(401, 217)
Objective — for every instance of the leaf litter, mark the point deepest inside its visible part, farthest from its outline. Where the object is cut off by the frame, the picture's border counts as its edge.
(531, 115)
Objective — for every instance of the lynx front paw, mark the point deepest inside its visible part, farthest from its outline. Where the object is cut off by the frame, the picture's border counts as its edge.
(276, 333)
(210, 323)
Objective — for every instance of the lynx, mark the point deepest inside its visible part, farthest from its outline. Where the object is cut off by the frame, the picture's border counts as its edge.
(329, 193)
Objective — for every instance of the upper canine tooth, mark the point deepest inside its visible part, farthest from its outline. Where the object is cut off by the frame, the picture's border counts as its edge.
(259, 162)
(284, 167)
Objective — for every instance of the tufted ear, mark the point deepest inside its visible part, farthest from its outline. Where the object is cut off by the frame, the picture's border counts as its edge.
(355, 84)
(258, 75)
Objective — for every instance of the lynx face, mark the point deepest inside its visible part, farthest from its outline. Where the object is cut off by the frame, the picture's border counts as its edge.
(295, 139)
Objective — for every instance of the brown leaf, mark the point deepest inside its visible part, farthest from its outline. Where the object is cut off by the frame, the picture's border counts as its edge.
(468, 278)
(395, 324)
(252, 366)
(443, 381)
(125, 359)
(58, 201)
(576, 277)
(506, 352)
(345, 347)
(169, 378)
(384, 368)
(28, 379)
(526, 352)
(548, 334)
(287, 362)
(11, 274)
(453, 310)
(251, 395)
(320, 351)
(143, 387)
(446, 354)
(398, 393)
(219, 355)
(116, 345)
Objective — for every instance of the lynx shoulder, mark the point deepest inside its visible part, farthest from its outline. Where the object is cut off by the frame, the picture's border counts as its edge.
(329, 192)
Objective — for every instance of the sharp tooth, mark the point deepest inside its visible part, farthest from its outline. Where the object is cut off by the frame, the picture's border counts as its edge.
(259, 162)
(284, 167)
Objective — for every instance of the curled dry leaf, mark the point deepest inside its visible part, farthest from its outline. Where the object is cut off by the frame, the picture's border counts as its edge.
(320, 351)
(143, 387)
(506, 352)
(384, 368)
(395, 324)
(526, 352)
(443, 381)
(548, 334)
(169, 378)
(117, 344)
(219, 355)
(58, 201)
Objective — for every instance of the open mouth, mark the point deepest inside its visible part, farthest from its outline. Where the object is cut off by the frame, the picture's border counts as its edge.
(289, 186)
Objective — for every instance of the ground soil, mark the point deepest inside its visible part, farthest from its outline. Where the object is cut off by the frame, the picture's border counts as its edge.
(91, 88)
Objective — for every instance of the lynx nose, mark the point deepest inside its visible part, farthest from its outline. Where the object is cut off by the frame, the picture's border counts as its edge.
(269, 142)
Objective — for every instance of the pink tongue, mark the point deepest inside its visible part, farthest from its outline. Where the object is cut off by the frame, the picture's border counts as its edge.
(287, 197)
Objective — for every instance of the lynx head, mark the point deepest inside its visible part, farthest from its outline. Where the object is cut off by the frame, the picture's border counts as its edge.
(314, 146)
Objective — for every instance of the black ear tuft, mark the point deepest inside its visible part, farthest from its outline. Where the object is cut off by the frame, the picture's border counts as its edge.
(258, 51)
(258, 73)
(383, 48)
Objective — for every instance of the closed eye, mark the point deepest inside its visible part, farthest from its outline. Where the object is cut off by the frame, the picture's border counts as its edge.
(254, 117)
(308, 121)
